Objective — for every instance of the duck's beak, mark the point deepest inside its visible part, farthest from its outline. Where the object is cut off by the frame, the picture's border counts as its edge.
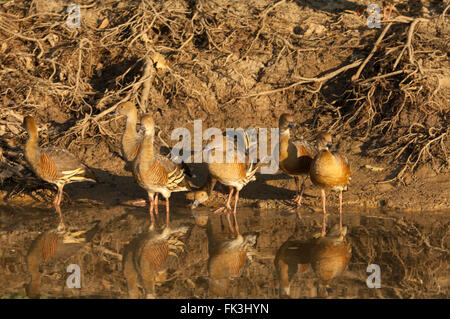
(292, 125)
(331, 147)
(195, 204)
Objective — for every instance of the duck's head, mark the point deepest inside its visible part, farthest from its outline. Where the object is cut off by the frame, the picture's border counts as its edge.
(286, 122)
(148, 125)
(126, 108)
(30, 124)
(200, 197)
(324, 141)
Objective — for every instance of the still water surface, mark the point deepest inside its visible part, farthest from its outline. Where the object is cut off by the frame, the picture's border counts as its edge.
(278, 255)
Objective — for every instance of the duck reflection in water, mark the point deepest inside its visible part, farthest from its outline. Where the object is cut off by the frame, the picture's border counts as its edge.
(227, 258)
(149, 256)
(327, 255)
(54, 245)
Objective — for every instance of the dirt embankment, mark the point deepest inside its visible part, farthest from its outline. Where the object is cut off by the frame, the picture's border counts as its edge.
(382, 92)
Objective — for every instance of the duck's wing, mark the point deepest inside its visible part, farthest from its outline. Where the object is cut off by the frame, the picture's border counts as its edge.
(60, 163)
(175, 172)
(304, 148)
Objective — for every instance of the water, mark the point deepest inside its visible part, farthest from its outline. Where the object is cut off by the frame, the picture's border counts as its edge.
(411, 251)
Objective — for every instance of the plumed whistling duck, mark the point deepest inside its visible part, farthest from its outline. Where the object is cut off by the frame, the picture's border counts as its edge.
(235, 175)
(156, 173)
(329, 171)
(54, 165)
(294, 158)
(131, 141)
(201, 195)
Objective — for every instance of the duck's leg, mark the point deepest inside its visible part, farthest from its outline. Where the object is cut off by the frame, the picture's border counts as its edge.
(236, 225)
(300, 196)
(297, 200)
(57, 205)
(150, 210)
(167, 212)
(156, 207)
(324, 222)
(227, 206)
(340, 212)
(297, 186)
(227, 209)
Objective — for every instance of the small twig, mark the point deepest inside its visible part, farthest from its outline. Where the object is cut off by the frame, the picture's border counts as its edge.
(320, 80)
(18, 35)
(444, 12)
(408, 41)
(108, 251)
(384, 76)
(148, 75)
(375, 46)
(263, 20)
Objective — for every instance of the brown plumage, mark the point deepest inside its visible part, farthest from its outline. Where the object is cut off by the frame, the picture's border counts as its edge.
(156, 173)
(54, 165)
(235, 175)
(147, 257)
(202, 194)
(131, 139)
(294, 157)
(53, 245)
(227, 260)
(329, 171)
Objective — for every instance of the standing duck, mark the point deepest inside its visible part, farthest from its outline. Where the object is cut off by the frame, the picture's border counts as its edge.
(294, 158)
(131, 141)
(235, 175)
(156, 173)
(330, 171)
(54, 165)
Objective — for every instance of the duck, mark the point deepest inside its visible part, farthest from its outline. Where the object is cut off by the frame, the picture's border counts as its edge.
(235, 174)
(147, 257)
(54, 165)
(156, 173)
(294, 158)
(202, 194)
(329, 171)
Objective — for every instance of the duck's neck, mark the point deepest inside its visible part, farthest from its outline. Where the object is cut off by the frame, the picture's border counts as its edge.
(146, 154)
(32, 151)
(130, 138)
(284, 144)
